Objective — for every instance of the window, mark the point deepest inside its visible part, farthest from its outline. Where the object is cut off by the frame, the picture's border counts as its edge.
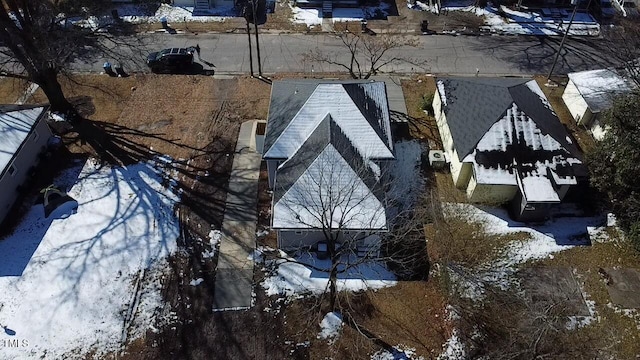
(299, 232)
(12, 170)
(35, 136)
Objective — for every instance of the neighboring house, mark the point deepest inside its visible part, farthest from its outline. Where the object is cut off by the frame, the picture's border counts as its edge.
(203, 5)
(588, 93)
(326, 148)
(505, 144)
(23, 137)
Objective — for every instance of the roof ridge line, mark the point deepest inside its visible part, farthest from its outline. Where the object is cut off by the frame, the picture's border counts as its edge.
(293, 119)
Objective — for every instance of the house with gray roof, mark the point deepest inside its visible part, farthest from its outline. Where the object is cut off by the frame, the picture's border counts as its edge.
(24, 135)
(505, 144)
(589, 93)
(327, 145)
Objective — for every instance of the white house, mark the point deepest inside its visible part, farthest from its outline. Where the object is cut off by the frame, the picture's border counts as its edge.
(23, 137)
(588, 93)
(326, 147)
(506, 144)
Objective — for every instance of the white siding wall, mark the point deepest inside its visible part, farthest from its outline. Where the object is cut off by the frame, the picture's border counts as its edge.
(575, 103)
(272, 166)
(26, 158)
(459, 171)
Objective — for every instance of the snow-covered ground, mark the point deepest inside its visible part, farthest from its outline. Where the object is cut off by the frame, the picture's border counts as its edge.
(68, 285)
(137, 14)
(148, 13)
(545, 239)
(312, 17)
(330, 326)
(453, 348)
(290, 277)
(520, 22)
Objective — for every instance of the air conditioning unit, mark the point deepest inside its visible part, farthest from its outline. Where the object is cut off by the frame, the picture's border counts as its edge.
(437, 159)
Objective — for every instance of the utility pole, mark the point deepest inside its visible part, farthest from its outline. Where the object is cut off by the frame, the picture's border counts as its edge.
(246, 18)
(255, 24)
(564, 37)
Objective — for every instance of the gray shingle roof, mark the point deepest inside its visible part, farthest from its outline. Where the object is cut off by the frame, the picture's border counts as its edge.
(289, 97)
(327, 133)
(473, 105)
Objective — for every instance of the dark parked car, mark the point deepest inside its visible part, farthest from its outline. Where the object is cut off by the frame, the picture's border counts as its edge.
(174, 60)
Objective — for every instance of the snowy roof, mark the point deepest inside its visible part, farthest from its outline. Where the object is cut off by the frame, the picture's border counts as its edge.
(516, 152)
(328, 175)
(473, 105)
(525, 145)
(599, 87)
(359, 108)
(16, 122)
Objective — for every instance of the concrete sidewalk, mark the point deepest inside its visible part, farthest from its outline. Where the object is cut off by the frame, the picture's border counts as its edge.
(234, 274)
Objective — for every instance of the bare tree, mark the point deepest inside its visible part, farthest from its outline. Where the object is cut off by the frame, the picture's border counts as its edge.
(622, 43)
(367, 55)
(38, 44)
(336, 195)
(333, 201)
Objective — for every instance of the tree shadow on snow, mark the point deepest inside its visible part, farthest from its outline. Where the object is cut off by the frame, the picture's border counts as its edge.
(18, 247)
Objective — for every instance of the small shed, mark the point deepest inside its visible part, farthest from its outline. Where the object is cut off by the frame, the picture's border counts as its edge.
(24, 135)
(588, 93)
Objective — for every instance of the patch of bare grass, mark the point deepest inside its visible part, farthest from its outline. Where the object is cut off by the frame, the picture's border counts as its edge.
(11, 89)
(417, 92)
(457, 236)
(282, 19)
(447, 190)
(410, 314)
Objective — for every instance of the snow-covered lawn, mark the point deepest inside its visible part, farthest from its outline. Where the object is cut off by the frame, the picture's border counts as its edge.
(137, 14)
(147, 13)
(312, 17)
(520, 22)
(289, 277)
(544, 240)
(67, 285)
